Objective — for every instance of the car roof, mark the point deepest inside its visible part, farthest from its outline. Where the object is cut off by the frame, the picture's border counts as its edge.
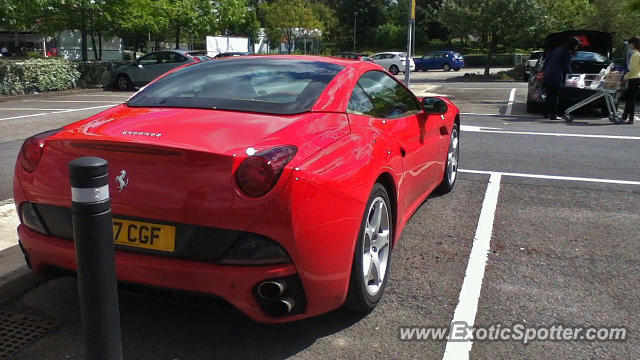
(347, 63)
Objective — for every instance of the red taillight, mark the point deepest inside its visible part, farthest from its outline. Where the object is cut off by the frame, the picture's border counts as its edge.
(540, 76)
(31, 150)
(259, 173)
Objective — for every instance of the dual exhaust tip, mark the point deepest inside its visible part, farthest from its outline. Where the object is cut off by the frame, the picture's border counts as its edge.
(271, 291)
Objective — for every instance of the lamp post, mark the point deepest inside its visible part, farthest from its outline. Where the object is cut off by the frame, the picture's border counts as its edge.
(407, 66)
(355, 20)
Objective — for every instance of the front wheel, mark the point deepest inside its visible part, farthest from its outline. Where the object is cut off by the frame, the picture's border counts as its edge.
(451, 171)
(456, 69)
(123, 82)
(394, 69)
(446, 67)
(372, 255)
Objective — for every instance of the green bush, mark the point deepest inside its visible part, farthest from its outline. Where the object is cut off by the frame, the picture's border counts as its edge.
(36, 75)
(502, 60)
(97, 73)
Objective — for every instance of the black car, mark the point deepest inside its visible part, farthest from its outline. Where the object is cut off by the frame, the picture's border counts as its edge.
(592, 56)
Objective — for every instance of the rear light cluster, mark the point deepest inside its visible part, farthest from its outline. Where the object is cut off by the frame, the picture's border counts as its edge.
(32, 148)
(259, 173)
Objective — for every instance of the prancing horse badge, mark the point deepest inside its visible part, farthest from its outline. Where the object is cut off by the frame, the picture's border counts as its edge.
(122, 180)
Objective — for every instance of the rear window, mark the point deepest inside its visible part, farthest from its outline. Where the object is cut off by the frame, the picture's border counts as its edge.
(588, 56)
(535, 56)
(274, 86)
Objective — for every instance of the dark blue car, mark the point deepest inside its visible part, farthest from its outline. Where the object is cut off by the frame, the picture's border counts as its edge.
(445, 60)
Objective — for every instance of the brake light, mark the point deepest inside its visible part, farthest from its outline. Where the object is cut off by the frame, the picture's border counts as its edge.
(32, 148)
(540, 76)
(259, 173)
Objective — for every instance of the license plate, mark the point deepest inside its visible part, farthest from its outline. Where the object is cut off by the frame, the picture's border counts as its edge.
(144, 235)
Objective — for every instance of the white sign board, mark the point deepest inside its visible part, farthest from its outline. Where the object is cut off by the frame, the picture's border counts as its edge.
(220, 44)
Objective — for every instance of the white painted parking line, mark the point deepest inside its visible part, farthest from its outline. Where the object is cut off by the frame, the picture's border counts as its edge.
(28, 109)
(494, 115)
(490, 130)
(472, 284)
(512, 96)
(552, 177)
(57, 112)
(106, 95)
(68, 101)
(8, 224)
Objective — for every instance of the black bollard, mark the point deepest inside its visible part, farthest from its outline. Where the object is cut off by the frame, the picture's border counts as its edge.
(95, 257)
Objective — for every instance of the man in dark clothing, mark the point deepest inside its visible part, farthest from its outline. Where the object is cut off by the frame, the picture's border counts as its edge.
(555, 68)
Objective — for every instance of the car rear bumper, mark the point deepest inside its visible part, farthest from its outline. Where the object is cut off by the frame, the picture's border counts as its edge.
(315, 225)
(234, 284)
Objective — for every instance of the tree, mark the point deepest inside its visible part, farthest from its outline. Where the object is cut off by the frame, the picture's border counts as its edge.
(68, 14)
(495, 20)
(19, 15)
(290, 20)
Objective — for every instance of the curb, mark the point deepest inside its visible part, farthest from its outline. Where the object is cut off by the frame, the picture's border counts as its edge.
(15, 276)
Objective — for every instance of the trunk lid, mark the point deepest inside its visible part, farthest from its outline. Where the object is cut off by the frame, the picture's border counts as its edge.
(178, 164)
(595, 41)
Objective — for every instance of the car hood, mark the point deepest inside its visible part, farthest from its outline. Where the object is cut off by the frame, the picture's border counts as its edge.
(595, 41)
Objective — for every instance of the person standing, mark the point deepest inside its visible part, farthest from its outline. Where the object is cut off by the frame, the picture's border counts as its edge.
(555, 69)
(633, 79)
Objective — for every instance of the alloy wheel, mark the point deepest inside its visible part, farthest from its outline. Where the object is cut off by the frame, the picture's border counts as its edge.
(375, 246)
(452, 157)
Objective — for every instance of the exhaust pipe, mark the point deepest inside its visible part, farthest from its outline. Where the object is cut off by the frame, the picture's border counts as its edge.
(271, 289)
(281, 307)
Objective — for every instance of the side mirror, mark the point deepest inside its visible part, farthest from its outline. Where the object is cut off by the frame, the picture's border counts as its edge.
(434, 105)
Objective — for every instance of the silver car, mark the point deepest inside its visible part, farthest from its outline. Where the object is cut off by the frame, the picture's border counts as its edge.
(152, 65)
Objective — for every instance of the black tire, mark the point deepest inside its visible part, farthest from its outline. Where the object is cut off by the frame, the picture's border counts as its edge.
(446, 67)
(394, 69)
(358, 298)
(449, 179)
(456, 69)
(123, 83)
(533, 108)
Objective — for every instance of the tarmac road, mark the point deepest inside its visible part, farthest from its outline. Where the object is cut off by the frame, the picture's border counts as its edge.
(564, 249)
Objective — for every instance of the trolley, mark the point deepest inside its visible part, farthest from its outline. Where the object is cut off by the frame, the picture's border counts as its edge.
(607, 85)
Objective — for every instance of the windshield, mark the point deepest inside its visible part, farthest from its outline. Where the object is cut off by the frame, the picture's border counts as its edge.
(588, 56)
(274, 86)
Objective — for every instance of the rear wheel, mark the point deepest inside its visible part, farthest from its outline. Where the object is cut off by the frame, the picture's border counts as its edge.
(456, 69)
(372, 255)
(451, 171)
(123, 82)
(446, 67)
(394, 69)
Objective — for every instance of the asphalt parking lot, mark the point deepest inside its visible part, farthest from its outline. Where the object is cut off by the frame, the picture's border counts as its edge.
(553, 205)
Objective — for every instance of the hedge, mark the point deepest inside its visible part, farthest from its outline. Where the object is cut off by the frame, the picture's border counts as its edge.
(37, 75)
(97, 73)
(502, 60)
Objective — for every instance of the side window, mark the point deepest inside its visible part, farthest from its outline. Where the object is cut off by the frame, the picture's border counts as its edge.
(360, 103)
(377, 57)
(389, 99)
(149, 59)
(176, 58)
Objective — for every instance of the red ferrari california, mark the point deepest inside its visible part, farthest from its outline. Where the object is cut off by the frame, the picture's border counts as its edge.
(278, 183)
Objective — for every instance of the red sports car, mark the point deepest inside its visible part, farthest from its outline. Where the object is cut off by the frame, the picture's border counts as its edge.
(279, 183)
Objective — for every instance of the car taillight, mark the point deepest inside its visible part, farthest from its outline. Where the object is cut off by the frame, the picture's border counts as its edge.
(32, 148)
(259, 173)
(540, 76)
